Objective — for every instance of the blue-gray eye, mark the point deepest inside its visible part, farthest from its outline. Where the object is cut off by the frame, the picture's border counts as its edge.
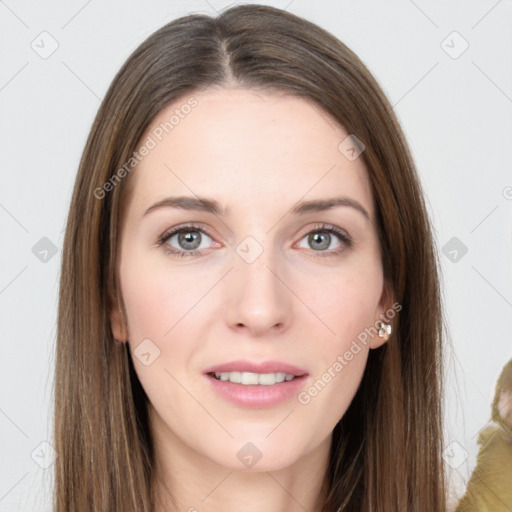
(189, 239)
(321, 240)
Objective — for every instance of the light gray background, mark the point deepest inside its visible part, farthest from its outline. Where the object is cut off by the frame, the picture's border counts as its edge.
(456, 113)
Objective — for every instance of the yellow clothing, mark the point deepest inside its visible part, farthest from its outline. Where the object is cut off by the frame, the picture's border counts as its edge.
(490, 486)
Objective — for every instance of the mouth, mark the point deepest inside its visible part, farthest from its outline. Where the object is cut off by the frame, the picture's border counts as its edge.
(249, 384)
(250, 373)
(254, 379)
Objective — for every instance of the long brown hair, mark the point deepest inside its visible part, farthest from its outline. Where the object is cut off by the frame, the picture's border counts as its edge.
(386, 450)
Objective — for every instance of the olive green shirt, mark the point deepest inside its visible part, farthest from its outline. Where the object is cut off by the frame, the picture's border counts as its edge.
(490, 487)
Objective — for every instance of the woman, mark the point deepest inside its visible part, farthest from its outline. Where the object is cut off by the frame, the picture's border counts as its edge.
(249, 306)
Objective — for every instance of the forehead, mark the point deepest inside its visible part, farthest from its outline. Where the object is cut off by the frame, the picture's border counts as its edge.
(248, 149)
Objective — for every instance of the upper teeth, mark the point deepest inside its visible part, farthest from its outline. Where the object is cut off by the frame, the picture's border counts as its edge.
(266, 379)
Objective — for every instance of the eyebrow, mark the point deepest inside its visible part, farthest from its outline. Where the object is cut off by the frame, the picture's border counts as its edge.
(204, 204)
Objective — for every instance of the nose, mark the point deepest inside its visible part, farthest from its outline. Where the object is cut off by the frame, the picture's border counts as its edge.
(257, 298)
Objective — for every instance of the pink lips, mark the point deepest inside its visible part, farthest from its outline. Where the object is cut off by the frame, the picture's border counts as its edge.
(263, 367)
(256, 395)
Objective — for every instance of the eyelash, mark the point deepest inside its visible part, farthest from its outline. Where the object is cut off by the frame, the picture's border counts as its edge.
(319, 228)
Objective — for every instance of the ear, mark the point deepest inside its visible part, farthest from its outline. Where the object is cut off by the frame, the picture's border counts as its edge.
(386, 312)
(118, 322)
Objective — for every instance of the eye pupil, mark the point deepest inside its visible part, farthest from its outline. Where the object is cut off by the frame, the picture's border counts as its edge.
(323, 239)
(189, 239)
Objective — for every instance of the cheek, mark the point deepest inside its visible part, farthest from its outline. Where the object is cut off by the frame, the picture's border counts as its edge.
(148, 307)
(157, 299)
(168, 311)
(158, 306)
(348, 299)
(348, 306)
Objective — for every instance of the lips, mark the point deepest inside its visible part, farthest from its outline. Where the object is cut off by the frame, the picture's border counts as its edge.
(253, 367)
(237, 382)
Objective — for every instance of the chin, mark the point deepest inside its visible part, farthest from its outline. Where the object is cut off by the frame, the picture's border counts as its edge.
(257, 455)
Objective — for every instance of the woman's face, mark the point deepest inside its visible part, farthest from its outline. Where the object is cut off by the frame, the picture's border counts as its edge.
(254, 276)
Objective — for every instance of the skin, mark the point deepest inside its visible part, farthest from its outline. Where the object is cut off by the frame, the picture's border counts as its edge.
(505, 405)
(257, 155)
